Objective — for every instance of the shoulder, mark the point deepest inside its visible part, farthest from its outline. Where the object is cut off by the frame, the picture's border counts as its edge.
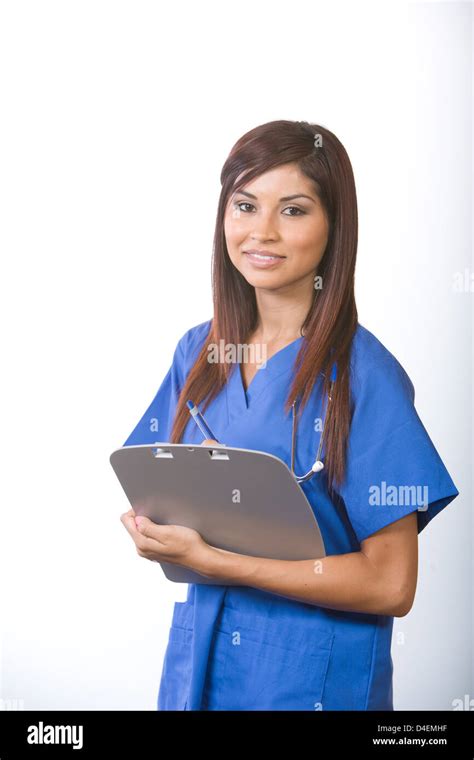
(375, 369)
(190, 344)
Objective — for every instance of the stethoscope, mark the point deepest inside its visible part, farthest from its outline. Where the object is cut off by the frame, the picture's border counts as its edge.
(318, 464)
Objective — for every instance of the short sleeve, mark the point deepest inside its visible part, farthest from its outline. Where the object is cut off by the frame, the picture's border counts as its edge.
(392, 466)
(156, 423)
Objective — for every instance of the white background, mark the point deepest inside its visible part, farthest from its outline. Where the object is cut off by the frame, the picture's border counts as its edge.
(116, 120)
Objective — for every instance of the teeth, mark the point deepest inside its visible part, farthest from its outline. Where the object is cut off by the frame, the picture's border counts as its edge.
(263, 258)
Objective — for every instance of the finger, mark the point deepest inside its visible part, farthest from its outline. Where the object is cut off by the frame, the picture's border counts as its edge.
(151, 546)
(130, 513)
(143, 544)
(146, 546)
(148, 529)
(208, 442)
(128, 520)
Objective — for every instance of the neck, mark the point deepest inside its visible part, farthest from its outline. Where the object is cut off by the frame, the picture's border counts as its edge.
(281, 313)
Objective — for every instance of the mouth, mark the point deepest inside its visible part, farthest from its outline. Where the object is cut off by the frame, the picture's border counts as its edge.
(263, 257)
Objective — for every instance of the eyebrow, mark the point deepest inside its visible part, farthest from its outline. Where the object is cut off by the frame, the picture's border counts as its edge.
(285, 198)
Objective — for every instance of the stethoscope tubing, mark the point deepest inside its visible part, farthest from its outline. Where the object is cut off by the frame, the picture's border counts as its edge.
(318, 463)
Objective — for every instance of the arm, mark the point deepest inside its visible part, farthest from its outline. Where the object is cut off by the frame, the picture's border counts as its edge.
(380, 579)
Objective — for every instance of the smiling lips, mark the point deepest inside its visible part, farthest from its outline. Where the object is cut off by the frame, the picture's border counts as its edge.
(262, 253)
(263, 259)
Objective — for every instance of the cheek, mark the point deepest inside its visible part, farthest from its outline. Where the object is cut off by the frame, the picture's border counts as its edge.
(235, 231)
(309, 240)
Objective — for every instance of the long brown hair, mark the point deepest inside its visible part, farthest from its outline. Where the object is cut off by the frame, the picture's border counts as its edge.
(332, 318)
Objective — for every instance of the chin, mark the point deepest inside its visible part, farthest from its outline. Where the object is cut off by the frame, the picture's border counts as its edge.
(267, 280)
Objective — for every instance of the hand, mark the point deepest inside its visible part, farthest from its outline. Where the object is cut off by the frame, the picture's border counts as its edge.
(167, 543)
(210, 441)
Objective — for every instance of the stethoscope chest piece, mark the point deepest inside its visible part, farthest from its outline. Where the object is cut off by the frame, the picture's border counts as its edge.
(318, 464)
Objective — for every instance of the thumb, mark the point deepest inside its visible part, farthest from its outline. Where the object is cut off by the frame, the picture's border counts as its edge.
(141, 522)
(209, 442)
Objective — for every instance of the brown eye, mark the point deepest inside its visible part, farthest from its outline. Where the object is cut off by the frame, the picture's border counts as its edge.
(242, 203)
(295, 208)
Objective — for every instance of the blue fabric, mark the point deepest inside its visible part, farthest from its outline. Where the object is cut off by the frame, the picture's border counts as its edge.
(241, 648)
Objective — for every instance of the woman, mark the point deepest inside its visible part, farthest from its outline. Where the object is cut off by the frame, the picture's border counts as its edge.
(294, 635)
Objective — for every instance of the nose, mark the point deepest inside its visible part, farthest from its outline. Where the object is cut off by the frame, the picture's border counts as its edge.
(264, 227)
(263, 234)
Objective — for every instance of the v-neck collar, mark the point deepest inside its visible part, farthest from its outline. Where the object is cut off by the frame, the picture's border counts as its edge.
(240, 399)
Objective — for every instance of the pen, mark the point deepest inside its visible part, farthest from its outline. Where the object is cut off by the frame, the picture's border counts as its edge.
(200, 421)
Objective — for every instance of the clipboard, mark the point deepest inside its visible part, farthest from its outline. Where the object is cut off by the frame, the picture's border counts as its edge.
(239, 500)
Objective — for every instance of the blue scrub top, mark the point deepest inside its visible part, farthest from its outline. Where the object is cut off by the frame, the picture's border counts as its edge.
(242, 648)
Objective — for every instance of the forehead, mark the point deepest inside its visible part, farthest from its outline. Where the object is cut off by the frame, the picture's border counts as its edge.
(281, 180)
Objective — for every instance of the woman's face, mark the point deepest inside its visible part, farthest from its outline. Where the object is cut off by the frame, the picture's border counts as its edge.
(261, 218)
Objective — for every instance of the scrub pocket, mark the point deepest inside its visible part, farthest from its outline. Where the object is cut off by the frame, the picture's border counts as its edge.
(259, 663)
(177, 670)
